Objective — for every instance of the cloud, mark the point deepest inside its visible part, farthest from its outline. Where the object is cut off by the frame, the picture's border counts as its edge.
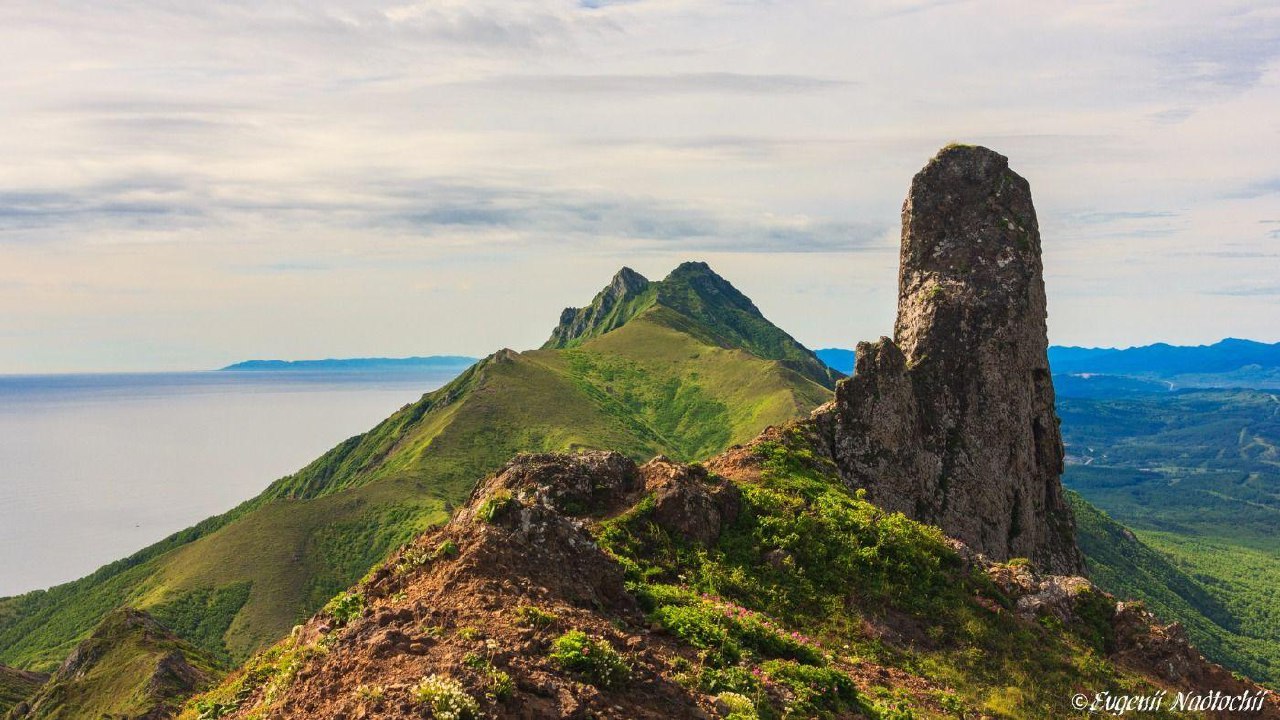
(230, 153)
(1105, 217)
(1255, 189)
(1248, 291)
(659, 84)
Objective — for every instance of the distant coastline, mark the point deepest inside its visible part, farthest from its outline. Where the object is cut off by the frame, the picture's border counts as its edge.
(433, 362)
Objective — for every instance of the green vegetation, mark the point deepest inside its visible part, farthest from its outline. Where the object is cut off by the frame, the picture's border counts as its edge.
(124, 669)
(494, 506)
(1196, 475)
(710, 309)
(203, 616)
(497, 684)
(345, 607)
(536, 618)
(596, 660)
(16, 686)
(445, 699)
(661, 382)
(447, 549)
(258, 685)
(805, 552)
(739, 706)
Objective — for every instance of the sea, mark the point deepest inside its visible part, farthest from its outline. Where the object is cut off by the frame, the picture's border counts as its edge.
(96, 466)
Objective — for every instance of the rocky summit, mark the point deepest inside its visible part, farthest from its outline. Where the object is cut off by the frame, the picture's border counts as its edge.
(952, 421)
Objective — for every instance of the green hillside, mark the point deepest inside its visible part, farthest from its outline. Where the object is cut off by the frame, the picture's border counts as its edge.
(684, 377)
(755, 587)
(1196, 475)
(129, 667)
(16, 686)
(714, 311)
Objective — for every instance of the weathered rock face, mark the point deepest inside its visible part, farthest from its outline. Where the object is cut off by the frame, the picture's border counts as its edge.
(602, 314)
(952, 422)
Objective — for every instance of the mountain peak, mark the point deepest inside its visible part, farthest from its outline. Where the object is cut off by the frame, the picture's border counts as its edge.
(622, 299)
(691, 268)
(714, 310)
(627, 279)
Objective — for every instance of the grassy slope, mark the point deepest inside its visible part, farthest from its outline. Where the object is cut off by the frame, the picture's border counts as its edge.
(1197, 476)
(15, 686)
(113, 681)
(242, 580)
(878, 586)
(868, 614)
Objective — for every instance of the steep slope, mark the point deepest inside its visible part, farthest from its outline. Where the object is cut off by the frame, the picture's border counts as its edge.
(952, 421)
(759, 586)
(16, 686)
(129, 668)
(1194, 474)
(654, 384)
(1230, 619)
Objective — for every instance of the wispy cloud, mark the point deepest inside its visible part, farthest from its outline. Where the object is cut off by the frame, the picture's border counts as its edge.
(231, 154)
(661, 84)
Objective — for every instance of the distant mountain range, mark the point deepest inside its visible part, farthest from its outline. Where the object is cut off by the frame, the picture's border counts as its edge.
(355, 364)
(1153, 368)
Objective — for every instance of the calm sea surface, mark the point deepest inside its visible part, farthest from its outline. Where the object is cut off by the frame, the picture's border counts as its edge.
(94, 467)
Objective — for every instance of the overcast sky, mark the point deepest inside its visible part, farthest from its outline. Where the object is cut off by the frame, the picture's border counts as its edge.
(186, 184)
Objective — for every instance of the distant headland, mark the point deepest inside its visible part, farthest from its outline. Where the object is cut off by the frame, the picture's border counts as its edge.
(432, 362)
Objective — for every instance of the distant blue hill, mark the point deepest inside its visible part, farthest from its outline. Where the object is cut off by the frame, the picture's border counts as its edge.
(837, 359)
(434, 362)
(1229, 363)
(1166, 360)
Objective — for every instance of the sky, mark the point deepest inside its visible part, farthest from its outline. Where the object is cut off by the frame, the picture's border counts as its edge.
(188, 184)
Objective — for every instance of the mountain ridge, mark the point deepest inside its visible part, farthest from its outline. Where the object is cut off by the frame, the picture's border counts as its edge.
(653, 385)
(724, 315)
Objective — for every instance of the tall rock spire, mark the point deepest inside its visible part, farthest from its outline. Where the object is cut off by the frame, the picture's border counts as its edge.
(952, 422)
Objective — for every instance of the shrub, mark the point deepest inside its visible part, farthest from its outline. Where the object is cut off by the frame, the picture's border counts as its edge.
(445, 699)
(725, 630)
(814, 690)
(498, 683)
(735, 679)
(737, 706)
(702, 628)
(597, 660)
(534, 617)
(345, 607)
(446, 549)
(371, 693)
(493, 506)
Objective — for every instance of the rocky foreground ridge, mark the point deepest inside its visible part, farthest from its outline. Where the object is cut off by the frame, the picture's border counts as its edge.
(567, 587)
(785, 577)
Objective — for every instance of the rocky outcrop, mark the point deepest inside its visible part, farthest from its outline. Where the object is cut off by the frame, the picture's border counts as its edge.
(952, 421)
(606, 311)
